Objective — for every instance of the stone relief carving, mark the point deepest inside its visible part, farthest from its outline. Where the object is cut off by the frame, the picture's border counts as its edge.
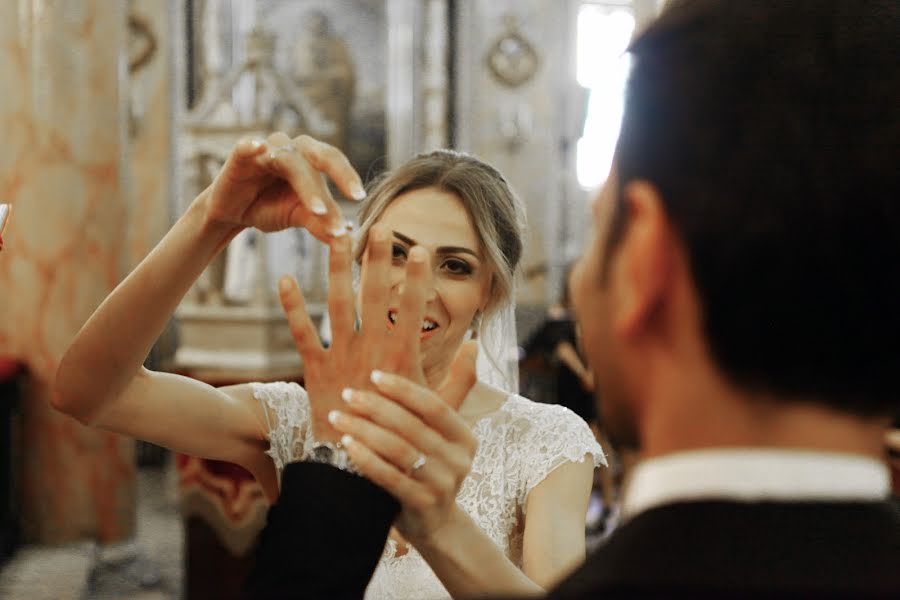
(512, 60)
(323, 70)
(142, 48)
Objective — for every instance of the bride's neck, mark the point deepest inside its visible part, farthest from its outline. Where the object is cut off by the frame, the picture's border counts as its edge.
(482, 400)
(435, 376)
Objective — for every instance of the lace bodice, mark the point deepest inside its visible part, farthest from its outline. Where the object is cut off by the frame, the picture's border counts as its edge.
(519, 444)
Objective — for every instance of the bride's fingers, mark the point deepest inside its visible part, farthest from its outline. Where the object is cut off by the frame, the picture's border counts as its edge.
(327, 159)
(404, 488)
(462, 375)
(244, 158)
(301, 327)
(317, 210)
(429, 407)
(375, 280)
(341, 309)
(411, 313)
(435, 473)
(248, 149)
(394, 417)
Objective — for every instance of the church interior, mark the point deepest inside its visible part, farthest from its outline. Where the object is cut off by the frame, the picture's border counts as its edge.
(116, 115)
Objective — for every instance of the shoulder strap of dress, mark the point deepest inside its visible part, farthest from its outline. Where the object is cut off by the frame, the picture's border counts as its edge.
(553, 435)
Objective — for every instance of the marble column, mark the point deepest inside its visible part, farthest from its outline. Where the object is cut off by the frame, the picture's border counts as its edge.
(63, 164)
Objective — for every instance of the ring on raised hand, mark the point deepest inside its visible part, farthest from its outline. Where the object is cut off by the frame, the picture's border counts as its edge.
(418, 464)
(289, 147)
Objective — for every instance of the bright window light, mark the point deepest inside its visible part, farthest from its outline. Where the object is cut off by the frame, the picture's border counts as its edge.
(603, 34)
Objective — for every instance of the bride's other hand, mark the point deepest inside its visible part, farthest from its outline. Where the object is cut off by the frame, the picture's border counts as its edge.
(411, 441)
(277, 183)
(355, 353)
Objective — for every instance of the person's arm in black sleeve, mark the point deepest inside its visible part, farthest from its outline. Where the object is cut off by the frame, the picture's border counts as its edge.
(323, 538)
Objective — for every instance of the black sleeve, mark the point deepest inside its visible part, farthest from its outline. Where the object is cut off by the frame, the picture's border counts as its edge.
(323, 538)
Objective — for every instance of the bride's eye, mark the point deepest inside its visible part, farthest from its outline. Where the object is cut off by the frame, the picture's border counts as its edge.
(458, 267)
(398, 252)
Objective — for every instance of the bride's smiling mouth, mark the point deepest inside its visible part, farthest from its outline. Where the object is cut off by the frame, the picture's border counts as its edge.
(429, 326)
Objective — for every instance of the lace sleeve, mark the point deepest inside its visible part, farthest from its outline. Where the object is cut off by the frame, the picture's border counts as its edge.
(286, 406)
(560, 437)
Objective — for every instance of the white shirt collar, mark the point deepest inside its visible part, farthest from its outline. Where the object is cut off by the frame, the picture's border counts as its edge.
(753, 475)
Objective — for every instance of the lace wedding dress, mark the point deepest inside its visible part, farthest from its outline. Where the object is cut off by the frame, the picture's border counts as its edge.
(519, 444)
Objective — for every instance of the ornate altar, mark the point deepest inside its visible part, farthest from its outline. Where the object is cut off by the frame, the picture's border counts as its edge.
(231, 325)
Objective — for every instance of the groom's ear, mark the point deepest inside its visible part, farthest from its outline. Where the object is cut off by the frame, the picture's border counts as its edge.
(462, 375)
(642, 276)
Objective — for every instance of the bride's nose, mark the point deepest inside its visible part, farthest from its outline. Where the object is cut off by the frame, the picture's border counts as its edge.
(428, 284)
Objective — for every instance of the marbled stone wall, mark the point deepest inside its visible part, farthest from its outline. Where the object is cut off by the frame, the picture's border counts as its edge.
(518, 128)
(529, 131)
(152, 101)
(62, 167)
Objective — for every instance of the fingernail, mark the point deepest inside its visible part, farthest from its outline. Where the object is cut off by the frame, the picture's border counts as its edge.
(376, 376)
(346, 439)
(284, 284)
(357, 192)
(318, 207)
(338, 232)
(256, 143)
(347, 394)
(333, 416)
(417, 254)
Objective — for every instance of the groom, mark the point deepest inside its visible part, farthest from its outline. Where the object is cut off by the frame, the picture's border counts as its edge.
(738, 306)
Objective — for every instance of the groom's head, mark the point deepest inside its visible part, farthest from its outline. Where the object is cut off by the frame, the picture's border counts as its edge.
(749, 234)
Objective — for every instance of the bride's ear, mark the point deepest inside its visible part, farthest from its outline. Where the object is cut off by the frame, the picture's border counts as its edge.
(476, 321)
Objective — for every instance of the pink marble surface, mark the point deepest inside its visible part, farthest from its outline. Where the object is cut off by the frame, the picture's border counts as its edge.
(62, 168)
(151, 145)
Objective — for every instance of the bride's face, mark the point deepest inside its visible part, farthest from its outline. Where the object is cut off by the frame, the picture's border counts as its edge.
(459, 285)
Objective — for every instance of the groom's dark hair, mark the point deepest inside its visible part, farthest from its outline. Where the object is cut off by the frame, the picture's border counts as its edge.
(771, 129)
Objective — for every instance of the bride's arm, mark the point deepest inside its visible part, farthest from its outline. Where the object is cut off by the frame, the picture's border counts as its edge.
(470, 563)
(553, 544)
(101, 381)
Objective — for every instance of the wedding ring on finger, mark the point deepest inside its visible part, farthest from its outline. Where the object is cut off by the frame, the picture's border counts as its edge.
(275, 151)
(418, 464)
(289, 147)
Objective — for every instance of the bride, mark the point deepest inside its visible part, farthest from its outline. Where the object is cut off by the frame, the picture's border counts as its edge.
(531, 474)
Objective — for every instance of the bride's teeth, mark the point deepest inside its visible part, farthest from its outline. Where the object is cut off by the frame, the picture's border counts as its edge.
(427, 325)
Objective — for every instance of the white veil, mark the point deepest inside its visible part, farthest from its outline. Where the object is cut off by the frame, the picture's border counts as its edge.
(498, 350)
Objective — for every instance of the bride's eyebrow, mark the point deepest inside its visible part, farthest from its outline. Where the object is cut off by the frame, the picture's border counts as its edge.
(442, 250)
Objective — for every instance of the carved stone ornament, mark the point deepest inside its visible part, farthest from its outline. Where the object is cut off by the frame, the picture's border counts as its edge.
(512, 59)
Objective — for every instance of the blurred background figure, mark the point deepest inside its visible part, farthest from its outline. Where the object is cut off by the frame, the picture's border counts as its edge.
(554, 371)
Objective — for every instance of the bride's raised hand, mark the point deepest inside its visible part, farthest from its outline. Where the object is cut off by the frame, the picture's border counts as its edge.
(277, 183)
(356, 352)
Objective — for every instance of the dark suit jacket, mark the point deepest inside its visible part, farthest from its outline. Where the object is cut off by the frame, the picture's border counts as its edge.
(747, 550)
(325, 536)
